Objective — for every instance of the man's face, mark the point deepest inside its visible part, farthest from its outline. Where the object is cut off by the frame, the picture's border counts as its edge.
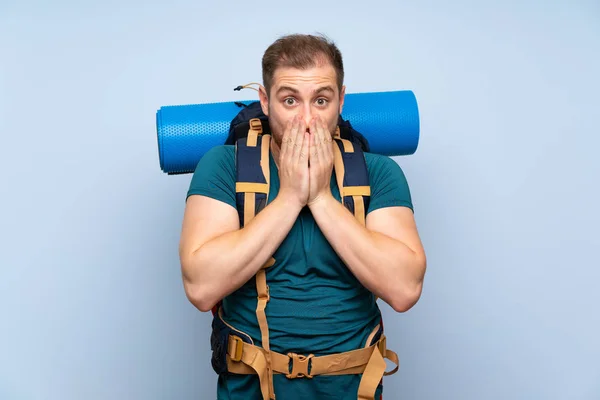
(308, 93)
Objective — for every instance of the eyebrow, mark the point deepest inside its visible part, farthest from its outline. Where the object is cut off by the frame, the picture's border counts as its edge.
(324, 89)
(295, 91)
(287, 89)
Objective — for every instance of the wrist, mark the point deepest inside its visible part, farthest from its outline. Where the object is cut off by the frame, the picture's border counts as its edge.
(321, 200)
(290, 201)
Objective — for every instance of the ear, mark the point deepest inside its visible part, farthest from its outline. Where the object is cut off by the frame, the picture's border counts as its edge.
(342, 94)
(264, 100)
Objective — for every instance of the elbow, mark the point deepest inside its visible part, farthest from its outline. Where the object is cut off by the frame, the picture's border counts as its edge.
(200, 298)
(196, 292)
(407, 294)
(204, 307)
(406, 299)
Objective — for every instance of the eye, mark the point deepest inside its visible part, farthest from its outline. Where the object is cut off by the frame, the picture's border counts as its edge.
(289, 101)
(321, 101)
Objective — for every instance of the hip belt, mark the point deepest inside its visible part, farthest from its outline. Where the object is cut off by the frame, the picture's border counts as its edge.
(246, 358)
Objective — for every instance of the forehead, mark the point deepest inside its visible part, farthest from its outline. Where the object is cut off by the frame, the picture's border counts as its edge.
(320, 75)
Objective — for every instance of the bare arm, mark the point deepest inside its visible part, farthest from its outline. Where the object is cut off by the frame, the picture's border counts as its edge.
(386, 256)
(217, 257)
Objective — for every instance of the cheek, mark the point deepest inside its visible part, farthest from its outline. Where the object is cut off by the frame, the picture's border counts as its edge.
(332, 121)
(280, 116)
(277, 125)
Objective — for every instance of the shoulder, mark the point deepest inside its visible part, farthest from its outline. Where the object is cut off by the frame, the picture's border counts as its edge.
(222, 155)
(378, 161)
(389, 185)
(218, 160)
(214, 175)
(381, 167)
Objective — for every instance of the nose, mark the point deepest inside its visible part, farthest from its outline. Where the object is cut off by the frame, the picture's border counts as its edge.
(308, 115)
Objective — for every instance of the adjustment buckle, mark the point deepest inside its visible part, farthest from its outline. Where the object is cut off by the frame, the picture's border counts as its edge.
(300, 366)
(267, 295)
(236, 345)
(256, 125)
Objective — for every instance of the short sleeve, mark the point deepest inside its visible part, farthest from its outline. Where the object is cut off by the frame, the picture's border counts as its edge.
(214, 175)
(389, 187)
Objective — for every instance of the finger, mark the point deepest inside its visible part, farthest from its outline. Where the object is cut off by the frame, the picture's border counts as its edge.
(327, 142)
(291, 139)
(326, 148)
(298, 139)
(322, 144)
(304, 151)
(314, 141)
(286, 138)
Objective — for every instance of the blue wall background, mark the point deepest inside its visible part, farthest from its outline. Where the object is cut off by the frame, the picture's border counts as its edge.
(505, 184)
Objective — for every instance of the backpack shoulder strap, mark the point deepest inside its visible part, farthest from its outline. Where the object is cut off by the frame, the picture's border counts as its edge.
(252, 194)
(252, 172)
(352, 176)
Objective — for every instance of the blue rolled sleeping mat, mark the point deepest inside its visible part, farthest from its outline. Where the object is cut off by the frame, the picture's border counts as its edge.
(388, 120)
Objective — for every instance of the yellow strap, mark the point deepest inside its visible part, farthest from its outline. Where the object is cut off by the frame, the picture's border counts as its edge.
(249, 207)
(263, 298)
(245, 358)
(265, 375)
(254, 357)
(264, 160)
(253, 132)
(357, 190)
(338, 166)
(359, 209)
(375, 370)
(393, 357)
(251, 187)
(372, 376)
(350, 362)
(348, 146)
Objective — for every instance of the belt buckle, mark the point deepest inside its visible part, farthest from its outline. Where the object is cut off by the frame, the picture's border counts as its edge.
(300, 366)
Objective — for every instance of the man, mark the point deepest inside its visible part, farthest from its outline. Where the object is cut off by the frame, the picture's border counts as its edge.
(328, 267)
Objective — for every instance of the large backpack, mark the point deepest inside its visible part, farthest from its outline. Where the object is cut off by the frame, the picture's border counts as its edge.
(232, 351)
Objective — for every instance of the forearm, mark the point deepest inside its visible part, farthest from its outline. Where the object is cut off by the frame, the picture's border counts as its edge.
(385, 266)
(225, 263)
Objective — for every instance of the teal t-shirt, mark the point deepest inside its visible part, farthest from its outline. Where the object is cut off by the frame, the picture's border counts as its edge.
(316, 304)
